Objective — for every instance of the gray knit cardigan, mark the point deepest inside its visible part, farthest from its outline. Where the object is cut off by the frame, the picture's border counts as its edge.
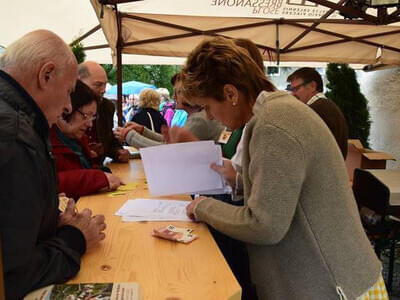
(300, 219)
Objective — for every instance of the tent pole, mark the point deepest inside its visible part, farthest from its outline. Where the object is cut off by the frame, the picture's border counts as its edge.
(84, 36)
(119, 86)
(119, 69)
(278, 58)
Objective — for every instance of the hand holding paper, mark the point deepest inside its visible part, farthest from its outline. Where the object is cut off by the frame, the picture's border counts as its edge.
(227, 171)
(183, 168)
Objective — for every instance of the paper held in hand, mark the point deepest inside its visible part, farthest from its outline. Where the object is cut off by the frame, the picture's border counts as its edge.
(183, 168)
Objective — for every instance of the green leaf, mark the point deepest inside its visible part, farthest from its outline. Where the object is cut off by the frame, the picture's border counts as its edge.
(345, 91)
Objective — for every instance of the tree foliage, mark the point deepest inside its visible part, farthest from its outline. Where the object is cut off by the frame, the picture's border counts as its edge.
(344, 90)
(77, 49)
(158, 75)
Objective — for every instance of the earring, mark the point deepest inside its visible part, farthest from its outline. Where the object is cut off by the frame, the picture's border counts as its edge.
(234, 103)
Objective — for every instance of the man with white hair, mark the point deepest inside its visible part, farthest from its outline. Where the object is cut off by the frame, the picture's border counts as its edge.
(40, 246)
(101, 134)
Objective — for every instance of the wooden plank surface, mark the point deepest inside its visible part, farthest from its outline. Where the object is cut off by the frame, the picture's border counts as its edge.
(164, 269)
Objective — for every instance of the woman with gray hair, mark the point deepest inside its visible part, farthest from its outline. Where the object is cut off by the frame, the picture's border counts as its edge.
(148, 114)
(167, 106)
(164, 95)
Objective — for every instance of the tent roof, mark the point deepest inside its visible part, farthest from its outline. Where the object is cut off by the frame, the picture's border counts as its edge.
(174, 27)
(71, 21)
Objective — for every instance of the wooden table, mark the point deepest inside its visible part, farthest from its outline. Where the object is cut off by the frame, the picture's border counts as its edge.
(164, 269)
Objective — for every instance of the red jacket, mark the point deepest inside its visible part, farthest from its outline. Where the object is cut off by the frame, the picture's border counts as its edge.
(73, 179)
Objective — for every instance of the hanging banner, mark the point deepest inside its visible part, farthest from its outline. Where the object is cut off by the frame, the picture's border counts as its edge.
(288, 9)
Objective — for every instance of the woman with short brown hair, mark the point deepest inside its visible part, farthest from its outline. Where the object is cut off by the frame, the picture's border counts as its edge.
(299, 219)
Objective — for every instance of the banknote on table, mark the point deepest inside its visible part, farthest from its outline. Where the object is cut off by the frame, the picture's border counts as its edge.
(173, 233)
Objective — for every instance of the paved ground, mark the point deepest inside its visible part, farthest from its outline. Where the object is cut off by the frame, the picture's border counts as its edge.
(395, 294)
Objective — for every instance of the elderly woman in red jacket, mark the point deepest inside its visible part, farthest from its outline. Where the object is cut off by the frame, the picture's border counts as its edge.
(78, 174)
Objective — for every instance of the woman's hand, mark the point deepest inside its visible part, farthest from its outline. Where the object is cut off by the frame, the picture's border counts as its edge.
(113, 181)
(227, 171)
(97, 149)
(135, 126)
(93, 154)
(120, 133)
(179, 135)
(191, 208)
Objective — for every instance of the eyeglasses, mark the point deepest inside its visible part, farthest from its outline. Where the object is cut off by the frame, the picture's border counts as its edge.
(294, 89)
(87, 117)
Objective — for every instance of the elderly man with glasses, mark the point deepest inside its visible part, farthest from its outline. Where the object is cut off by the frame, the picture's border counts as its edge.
(40, 246)
(306, 85)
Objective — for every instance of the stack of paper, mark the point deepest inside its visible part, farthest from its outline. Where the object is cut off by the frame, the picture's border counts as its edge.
(153, 210)
(183, 168)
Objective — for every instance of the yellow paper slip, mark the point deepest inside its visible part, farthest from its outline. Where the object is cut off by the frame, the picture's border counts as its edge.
(123, 189)
(128, 187)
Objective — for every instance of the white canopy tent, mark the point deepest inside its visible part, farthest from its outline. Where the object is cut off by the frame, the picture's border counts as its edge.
(70, 20)
(289, 31)
(165, 31)
(294, 30)
(73, 19)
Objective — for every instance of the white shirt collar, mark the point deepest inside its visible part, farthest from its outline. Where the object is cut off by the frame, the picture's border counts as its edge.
(315, 98)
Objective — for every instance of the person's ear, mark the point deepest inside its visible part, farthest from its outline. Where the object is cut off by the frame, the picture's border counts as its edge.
(231, 94)
(46, 74)
(313, 85)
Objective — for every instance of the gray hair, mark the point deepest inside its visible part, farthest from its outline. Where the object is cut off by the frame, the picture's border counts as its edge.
(164, 93)
(83, 71)
(28, 53)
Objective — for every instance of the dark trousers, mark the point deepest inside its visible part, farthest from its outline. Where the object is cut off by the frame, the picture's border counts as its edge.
(235, 253)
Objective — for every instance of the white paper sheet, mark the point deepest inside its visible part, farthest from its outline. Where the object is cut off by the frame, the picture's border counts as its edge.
(182, 168)
(153, 210)
(154, 219)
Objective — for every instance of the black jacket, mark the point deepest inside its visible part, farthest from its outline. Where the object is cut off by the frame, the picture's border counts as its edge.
(142, 117)
(35, 252)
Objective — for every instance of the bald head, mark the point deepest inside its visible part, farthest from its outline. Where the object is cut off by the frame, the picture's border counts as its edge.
(46, 68)
(28, 53)
(94, 76)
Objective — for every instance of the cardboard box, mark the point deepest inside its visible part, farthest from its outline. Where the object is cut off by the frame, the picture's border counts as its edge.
(360, 157)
